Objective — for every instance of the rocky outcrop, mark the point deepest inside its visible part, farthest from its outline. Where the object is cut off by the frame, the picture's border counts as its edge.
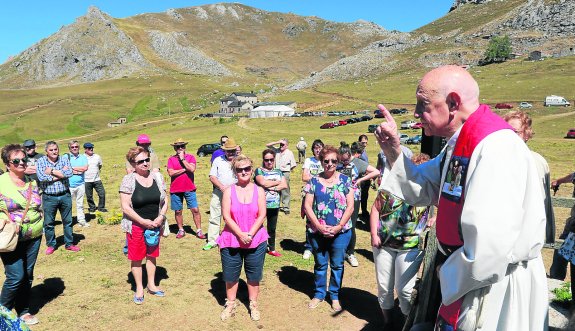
(91, 49)
(458, 3)
(172, 47)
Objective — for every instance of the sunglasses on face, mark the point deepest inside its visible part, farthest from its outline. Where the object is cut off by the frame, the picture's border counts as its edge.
(244, 169)
(18, 161)
(89, 148)
(180, 146)
(328, 161)
(282, 145)
(269, 160)
(30, 147)
(147, 160)
(74, 147)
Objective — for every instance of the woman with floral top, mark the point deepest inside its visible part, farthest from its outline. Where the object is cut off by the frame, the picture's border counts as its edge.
(20, 203)
(395, 228)
(272, 180)
(328, 207)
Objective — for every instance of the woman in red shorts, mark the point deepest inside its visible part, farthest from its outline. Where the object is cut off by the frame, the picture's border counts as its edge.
(143, 199)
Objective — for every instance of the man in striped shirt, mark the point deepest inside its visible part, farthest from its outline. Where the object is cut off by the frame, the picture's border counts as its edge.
(53, 173)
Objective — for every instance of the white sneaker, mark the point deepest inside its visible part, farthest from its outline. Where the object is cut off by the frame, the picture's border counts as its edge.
(352, 260)
(306, 254)
(84, 224)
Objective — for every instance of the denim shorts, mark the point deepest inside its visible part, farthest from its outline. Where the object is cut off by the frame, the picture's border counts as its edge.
(177, 200)
(251, 258)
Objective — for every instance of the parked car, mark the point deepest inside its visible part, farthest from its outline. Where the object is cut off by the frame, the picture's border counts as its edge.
(417, 126)
(206, 115)
(372, 127)
(397, 111)
(333, 113)
(403, 138)
(366, 118)
(328, 125)
(525, 105)
(407, 124)
(207, 149)
(570, 134)
(503, 106)
(295, 115)
(378, 114)
(414, 140)
(342, 122)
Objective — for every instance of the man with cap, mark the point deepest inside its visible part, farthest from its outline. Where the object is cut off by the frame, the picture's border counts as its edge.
(181, 168)
(221, 176)
(30, 146)
(92, 180)
(301, 147)
(145, 142)
(220, 151)
(79, 164)
(285, 161)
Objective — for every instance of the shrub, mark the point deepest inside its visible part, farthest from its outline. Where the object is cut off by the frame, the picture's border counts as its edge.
(112, 218)
(563, 293)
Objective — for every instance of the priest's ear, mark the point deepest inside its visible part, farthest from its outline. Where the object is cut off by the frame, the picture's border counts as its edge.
(453, 101)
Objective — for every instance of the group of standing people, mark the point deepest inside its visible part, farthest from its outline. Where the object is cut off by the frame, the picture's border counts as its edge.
(32, 190)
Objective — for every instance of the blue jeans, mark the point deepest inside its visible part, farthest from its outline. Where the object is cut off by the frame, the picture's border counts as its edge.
(51, 205)
(19, 271)
(330, 250)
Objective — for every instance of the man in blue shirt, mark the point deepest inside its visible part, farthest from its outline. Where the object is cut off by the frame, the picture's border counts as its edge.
(79, 163)
(53, 173)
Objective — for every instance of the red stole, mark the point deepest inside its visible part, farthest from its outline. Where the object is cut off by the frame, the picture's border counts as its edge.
(479, 125)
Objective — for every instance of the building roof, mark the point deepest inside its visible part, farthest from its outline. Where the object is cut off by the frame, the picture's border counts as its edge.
(227, 99)
(244, 94)
(274, 108)
(274, 103)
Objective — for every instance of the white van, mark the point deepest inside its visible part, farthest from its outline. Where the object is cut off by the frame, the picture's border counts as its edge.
(555, 100)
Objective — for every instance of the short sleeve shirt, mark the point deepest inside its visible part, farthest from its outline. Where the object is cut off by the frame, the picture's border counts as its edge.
(183, 182)
(313, 165)
(77, 161)
(352, 172)
(222, 170)
(272, 197)
(93, 173)
(329, 203)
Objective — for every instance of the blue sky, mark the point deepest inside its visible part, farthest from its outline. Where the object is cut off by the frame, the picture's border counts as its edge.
(23, 23)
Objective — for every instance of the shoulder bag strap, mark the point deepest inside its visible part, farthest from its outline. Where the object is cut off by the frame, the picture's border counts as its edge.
(27, 201)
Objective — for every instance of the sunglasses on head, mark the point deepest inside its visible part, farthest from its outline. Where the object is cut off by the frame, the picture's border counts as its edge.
(147, 160)
(244, 169)
(18, 161)
(328, 161)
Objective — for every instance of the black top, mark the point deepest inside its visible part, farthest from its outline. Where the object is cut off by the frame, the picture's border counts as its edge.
(146, 200)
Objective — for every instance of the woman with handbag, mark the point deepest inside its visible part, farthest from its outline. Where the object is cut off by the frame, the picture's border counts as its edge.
(143, 200)
(22, 223)
(395, 228)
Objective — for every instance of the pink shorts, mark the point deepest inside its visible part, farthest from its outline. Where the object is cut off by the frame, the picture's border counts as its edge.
(137, 248)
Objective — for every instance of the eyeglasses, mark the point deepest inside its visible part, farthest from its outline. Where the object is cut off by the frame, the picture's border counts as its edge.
(269, 160)
(147, 160)
(231, 152)
(282, 145)
(31, 147)
(18, 161)
(244, 169)
(328, 161)
(74, 147)
(179, 146)
(363, 142)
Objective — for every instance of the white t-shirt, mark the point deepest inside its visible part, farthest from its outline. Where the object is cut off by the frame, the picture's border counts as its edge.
(313, 165)
(93, 173)
(222, 170)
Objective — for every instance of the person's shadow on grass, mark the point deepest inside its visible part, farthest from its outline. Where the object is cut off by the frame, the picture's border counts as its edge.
(292, 245)
(42, 294)
(77, 239)
(218, 290)
(161, 274)
(297, 279)
(365, 253)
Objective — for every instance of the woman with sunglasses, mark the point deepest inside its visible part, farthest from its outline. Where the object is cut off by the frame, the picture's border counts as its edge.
(20, 203)
(328, 206)
(243, 240)
(272, 181)
(311, 167)
(143, 199)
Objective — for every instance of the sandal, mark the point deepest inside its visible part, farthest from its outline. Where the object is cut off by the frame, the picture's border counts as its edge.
(314, 303)
(254, 311)
(336, 306)
(229, 309)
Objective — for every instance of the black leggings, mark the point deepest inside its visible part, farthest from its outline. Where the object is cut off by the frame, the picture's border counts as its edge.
(272, 216)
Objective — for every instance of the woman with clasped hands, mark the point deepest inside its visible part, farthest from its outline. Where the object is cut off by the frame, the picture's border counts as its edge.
(20, 203)
(244, 239)
(328, 206)
(143, 199)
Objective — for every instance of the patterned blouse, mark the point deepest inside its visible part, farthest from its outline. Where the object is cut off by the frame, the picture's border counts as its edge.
(329, 203)
(399, 223)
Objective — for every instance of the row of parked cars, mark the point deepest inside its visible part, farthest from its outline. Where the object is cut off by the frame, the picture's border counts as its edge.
(333, 124)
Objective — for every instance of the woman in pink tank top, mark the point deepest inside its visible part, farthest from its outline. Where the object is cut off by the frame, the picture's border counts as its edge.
(244, 239)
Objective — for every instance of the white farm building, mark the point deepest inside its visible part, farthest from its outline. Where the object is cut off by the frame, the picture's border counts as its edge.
(271, 111)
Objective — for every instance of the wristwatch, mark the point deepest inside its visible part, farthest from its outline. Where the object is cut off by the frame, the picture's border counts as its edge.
(249, 235)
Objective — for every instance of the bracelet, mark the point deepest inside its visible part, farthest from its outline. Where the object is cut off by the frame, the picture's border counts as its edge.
(249, 235)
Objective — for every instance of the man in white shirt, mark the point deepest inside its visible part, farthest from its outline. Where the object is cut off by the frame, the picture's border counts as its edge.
(491, 222)
(92, 180)
(221, 176)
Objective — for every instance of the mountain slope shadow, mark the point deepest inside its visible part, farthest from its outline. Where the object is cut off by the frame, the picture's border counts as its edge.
(42, 294)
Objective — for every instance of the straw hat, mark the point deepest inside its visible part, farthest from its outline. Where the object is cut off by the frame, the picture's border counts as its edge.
(229, 145)
(179, 141)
